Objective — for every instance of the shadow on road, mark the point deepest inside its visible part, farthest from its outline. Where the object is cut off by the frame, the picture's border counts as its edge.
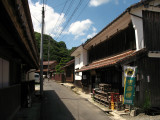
(53, 108)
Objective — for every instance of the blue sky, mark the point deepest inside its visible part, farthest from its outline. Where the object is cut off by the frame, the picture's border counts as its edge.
(75, 21)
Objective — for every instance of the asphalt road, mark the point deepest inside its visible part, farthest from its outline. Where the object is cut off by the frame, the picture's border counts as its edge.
(60, 103)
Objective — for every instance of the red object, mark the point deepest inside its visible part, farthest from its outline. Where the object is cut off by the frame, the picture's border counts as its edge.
(93, 91)
(115, 97)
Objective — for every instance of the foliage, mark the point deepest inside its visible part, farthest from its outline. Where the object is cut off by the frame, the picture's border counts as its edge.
(61, 64)
(147, 102)
(58, 50)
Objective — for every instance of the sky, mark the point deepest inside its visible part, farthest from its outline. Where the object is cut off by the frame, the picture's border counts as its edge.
(75, 21)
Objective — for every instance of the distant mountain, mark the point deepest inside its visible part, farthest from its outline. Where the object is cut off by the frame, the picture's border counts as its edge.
(58, 50)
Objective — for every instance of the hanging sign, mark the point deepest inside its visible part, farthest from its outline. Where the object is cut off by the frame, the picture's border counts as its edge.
(129, 84)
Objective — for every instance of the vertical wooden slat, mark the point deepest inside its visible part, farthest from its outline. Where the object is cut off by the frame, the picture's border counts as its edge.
(151, 23)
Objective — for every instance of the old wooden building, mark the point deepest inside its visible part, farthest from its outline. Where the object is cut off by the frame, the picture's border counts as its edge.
(69, 71)
(48, 68)
(18, 54)
(132, 39)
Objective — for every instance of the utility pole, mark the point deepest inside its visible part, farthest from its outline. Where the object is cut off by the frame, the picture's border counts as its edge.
(41, 53)
(48, 59)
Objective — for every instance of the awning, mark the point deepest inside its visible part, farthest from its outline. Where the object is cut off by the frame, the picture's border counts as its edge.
(110, 61)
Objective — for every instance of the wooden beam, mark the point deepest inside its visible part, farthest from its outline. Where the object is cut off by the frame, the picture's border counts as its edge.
(18, 28)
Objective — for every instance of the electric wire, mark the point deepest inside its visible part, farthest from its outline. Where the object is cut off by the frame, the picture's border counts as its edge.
(35, 18)
(79, 14)
(66, 13)
(82, 10)
(57, 36)
(59, 16)
(79, 4)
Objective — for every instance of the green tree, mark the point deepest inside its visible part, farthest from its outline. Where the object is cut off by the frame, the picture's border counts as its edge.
(57, 51)
(62, 63)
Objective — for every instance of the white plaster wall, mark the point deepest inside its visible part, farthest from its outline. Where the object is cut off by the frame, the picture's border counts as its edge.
(80, 61)
(138, 22)
(79, 76)
(30, 75)
(78, 65)
(77, 62)
(138, 26)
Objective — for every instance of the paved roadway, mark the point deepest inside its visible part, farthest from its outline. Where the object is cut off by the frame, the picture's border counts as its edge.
(60, 103)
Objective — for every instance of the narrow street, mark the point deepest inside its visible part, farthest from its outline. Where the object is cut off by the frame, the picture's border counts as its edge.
(60, 103)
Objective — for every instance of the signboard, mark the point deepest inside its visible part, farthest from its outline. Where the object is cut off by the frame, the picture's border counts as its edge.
(129, 84)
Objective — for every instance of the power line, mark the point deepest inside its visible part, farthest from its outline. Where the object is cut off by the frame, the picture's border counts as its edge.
(35, 18)
(80, 13)
(79, 4)
(82, 10)
(60, 15)
(66, 13)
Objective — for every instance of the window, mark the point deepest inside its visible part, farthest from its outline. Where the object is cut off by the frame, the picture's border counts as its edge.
(4, 73)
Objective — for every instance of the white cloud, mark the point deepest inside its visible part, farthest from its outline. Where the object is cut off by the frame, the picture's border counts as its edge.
(83, 40)
(90, 35)
(79, 28)
(51, 18)
(94, 29)
(96, 3)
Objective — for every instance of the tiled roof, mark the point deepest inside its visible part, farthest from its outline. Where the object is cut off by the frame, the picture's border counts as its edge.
(50, 62)
(69, 63)
(109, 61)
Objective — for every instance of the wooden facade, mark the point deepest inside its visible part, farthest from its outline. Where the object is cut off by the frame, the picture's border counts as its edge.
(123, 40)
(151, 23)
(18, 54)
(69, 71)
(148, 68)
(51, 70)
(148, 81)
(131, 45)
(99, 70)
(118, 43)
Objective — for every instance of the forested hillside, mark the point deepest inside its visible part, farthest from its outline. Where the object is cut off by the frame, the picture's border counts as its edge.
(58, 50)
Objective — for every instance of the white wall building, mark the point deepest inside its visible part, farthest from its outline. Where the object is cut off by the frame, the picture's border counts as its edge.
(80, 55)
(134, 15)
(137, 20)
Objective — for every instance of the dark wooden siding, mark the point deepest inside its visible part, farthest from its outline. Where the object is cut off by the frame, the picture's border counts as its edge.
(148, 67)
(111, 76)
(151, 24)
(121, 41)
